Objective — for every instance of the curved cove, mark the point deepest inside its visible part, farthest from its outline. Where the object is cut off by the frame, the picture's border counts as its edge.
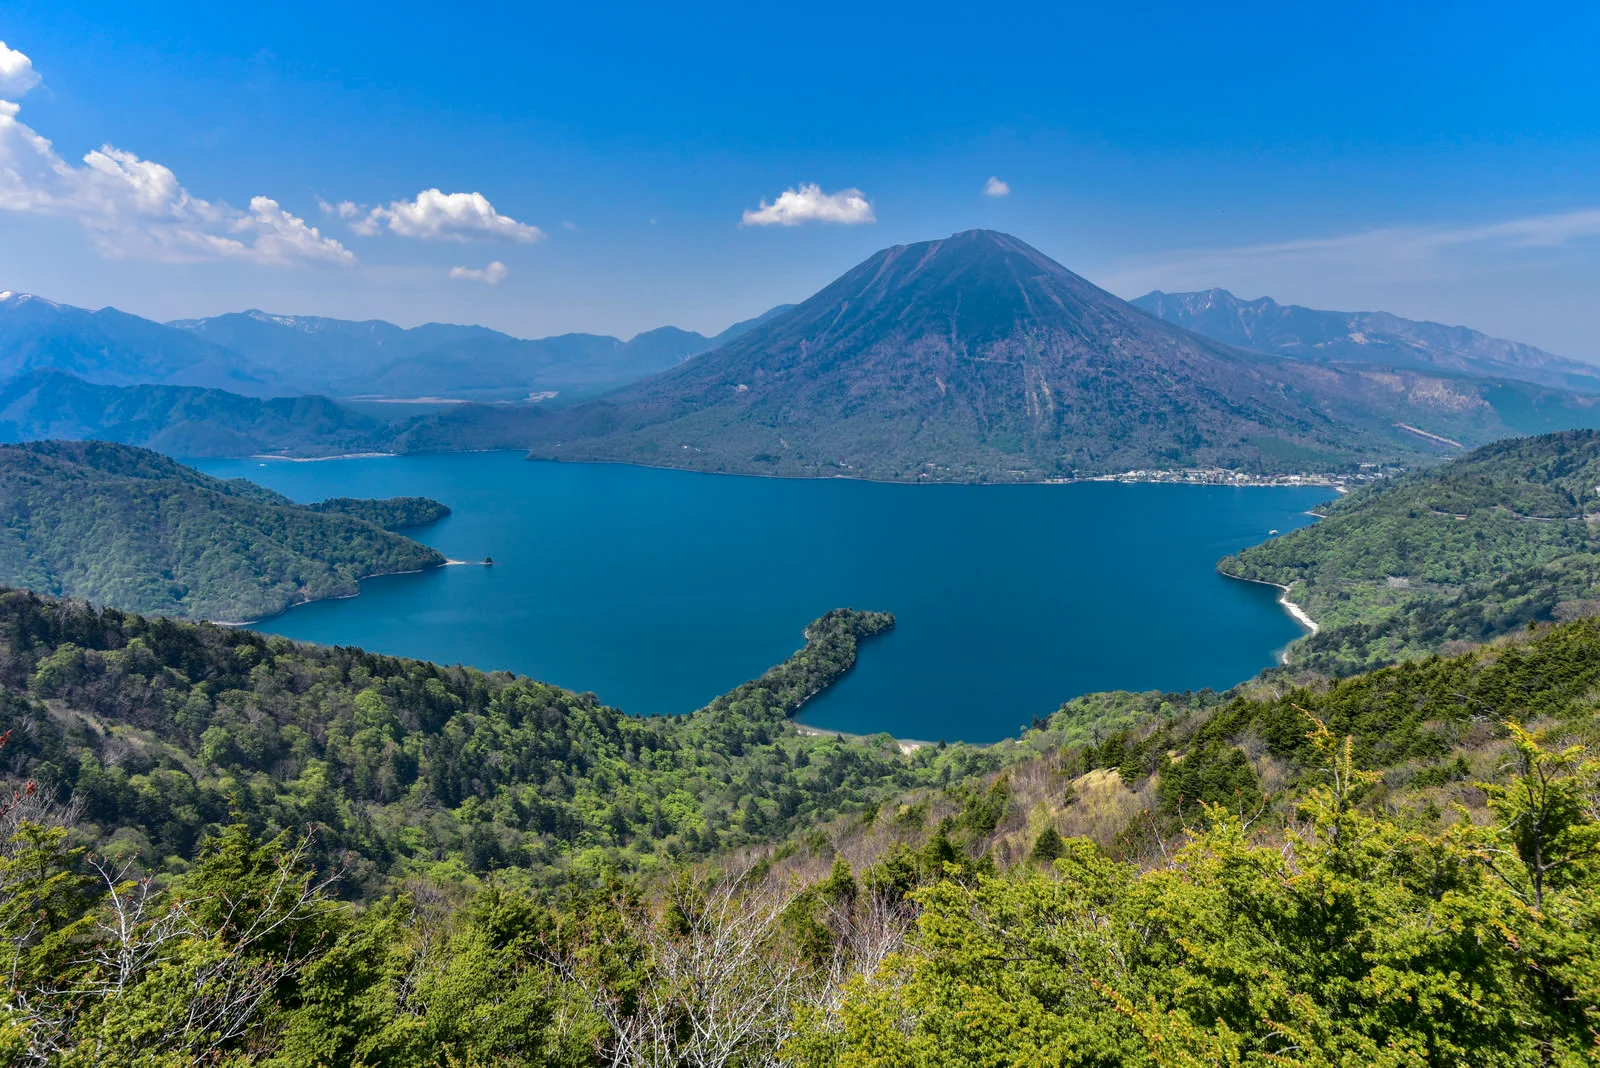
(660, 589)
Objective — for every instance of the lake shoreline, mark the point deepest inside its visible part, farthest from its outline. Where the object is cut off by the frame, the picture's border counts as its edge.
(320, 459)
(447, 562)
(1183, 476)
(1298, 614)
(1175, 477)
(906, 745)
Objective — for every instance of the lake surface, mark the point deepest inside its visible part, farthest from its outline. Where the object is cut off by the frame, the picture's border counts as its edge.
(659, 590)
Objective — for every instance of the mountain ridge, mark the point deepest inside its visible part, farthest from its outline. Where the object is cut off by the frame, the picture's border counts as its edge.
(185, 421)
(977, 357)
(1379, 338)
(262, 354)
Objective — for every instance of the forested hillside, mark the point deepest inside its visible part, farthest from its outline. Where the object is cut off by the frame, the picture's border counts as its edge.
(128, 527)
(1481, 546)
(1223, 880)
(182, 420)
(226, 848)
(163, 731)
(393, 513)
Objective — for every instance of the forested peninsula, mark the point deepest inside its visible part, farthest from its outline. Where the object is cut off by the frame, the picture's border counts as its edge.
(128, 527)
(1506, 535)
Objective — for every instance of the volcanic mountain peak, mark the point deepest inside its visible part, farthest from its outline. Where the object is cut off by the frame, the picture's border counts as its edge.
(977, 294)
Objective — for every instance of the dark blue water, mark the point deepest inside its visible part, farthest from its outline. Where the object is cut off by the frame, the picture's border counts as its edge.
(660, 589)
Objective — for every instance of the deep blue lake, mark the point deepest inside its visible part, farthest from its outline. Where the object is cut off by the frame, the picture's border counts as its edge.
(659, 590)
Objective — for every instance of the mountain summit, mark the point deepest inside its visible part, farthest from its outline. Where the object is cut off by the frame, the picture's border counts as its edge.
(978, 357)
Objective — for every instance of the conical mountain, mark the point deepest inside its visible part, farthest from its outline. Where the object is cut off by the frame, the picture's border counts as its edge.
(978, 357)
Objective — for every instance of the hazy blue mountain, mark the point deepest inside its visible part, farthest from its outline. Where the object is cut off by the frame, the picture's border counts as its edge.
(113, 347)
(977, 357)
(347, 358)
(182, 420)
(744, 326)
(319, 353)
(1377, 338)
(262, 354)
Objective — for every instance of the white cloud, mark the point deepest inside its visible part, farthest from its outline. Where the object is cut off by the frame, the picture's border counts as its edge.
(345, 209)
(440, 217)
(994, 187)
(810, 204)
(1389, 255)
(283, 237)
(17, 75)
(137, 208)
(494, 274)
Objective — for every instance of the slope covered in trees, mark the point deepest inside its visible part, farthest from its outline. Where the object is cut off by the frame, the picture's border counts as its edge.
(1481, 546)
(1424, 893)
(128, 527)
(184, 421)
(392, 513)
(163, 731)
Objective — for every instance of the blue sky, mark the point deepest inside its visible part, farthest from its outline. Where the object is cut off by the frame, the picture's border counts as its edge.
(1439, 161)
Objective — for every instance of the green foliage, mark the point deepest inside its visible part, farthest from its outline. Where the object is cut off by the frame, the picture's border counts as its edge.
(122, 526)
(1545, 814)
(1361, 939)
(166, 731)
(1331, 923)
(1482, 546)
(246, 960)
(1049, 845)
(392, 513)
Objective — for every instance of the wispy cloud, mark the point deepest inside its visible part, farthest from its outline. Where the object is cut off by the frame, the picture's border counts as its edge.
(133, 207)
(810, 204)
(493, 274)
(17, 75)
(1393, 254)
(437, 216)
(994, 187)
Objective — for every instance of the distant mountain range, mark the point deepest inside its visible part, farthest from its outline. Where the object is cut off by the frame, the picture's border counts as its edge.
(971, 358)
(977, 357)
(258, 354)
(115, 348)
(1264, 325)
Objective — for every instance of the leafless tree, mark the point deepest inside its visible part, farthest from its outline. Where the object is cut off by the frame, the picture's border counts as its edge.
(722, 986)
(867, 931)
(141, 928)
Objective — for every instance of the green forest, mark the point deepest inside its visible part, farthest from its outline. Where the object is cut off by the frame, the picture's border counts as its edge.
(1397, 868)
(392, 513)
(225, 848)
(1506, 535)
(121, 525)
